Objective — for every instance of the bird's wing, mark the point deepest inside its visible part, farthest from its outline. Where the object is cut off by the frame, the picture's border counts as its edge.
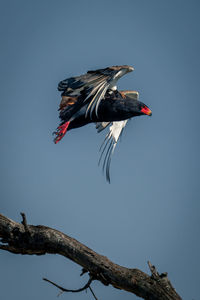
(93, 85)
(108, 146)
(115, 131)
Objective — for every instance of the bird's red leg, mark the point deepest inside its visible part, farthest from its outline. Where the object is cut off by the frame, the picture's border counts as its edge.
(61, 130)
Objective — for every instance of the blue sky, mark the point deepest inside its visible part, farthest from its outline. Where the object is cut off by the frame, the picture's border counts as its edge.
(150, 211)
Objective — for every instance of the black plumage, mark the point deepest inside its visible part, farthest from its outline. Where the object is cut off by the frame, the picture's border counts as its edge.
(112, 108)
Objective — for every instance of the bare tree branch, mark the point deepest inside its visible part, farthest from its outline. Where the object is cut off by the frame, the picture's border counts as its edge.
(28, 239)
(92, 293)
(85, 287)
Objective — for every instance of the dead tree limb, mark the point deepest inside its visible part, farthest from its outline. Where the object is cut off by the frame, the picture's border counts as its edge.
(29, 239)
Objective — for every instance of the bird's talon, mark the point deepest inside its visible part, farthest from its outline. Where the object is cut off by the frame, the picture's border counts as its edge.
(61, 130)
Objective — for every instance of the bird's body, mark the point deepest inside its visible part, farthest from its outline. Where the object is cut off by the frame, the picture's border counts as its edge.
(93, 98)
(112, 108)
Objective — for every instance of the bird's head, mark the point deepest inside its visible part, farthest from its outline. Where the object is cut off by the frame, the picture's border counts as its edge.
(137, 108)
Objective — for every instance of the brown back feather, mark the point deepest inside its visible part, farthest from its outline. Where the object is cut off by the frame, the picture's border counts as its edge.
(66, 101)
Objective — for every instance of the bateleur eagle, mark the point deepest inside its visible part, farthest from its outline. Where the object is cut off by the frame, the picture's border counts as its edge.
(94, 98)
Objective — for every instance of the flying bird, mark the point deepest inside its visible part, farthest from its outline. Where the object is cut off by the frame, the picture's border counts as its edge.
(94, 98)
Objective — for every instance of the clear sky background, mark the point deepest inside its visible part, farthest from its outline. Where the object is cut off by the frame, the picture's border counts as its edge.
(151, 209)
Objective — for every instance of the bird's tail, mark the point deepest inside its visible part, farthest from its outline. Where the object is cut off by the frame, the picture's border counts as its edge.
(60, 132)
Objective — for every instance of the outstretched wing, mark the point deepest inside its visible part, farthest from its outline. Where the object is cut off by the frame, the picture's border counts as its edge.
(115, 131)
(93, 85)
(109, 144)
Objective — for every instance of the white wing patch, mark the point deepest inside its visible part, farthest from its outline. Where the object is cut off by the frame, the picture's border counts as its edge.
(109, 144)
(116, 129)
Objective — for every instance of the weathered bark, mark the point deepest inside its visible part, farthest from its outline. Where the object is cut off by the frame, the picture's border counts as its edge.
(28, 239)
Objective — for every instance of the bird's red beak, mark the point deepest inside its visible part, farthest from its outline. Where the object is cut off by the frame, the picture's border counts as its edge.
(145, 110)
